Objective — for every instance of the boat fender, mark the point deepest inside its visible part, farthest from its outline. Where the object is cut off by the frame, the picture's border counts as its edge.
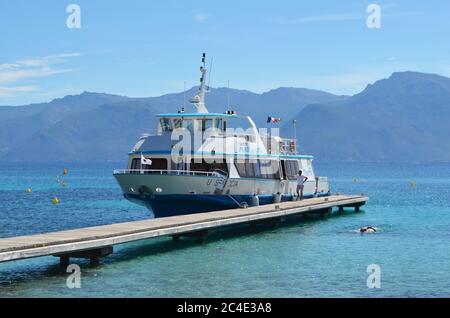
(255, 200)
(277, 197)
(243, 205)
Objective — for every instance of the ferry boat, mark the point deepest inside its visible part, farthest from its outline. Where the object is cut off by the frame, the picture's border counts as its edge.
(222, 162)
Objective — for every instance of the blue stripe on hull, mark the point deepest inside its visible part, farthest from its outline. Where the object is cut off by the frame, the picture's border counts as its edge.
(180, 204)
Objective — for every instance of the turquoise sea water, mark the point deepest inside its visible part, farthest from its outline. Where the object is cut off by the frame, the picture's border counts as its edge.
(308, 258)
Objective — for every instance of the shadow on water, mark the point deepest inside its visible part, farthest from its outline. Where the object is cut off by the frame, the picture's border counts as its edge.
(22, 272)
(164, 245)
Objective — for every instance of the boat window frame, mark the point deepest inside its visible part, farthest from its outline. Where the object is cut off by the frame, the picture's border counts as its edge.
(137, 165)
(190, 126)
(177, 123)
(250, 168)
(258, 169)
(166, 124)
(204, 120)
(218, 123)
(292, 168)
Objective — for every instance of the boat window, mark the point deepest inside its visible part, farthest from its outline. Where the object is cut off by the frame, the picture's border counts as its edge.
(187, 123)
(135, 164)
(250, 168)
(206, 124)
(240, 167)
(197, 124)
(157, 164)
(222, 166)
(283, 168)
(270, 169)
(275, 169)
(208, 167)
(265, 168)
(177, 123)
(166, 124)
(291, 169)
(199, 166)
(218, 123)
(257, 169)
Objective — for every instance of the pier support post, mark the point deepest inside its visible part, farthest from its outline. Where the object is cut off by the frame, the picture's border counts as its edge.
(93, 255)
(94, 261)
(64, 261)
(200, 235)
(275, 222)
(357, 208)
(341, 209)
(324, 212)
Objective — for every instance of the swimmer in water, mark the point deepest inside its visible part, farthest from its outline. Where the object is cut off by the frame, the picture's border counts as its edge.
(368, 229)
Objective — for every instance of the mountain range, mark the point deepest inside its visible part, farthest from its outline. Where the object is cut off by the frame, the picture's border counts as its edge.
(404, 118)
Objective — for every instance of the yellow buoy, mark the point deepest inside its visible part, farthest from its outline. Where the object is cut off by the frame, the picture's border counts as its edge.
(55, 200)
(413, 184)
(29, 190)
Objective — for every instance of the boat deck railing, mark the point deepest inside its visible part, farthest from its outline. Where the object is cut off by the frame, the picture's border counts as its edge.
(215, 173)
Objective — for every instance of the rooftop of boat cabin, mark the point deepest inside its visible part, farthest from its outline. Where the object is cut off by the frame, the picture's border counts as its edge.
(200, 115)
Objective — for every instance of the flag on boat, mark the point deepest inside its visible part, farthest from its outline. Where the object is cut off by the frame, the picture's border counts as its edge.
(273, 119)
(145, 161)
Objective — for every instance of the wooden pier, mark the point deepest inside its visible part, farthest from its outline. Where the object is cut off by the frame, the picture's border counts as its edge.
(95, 242)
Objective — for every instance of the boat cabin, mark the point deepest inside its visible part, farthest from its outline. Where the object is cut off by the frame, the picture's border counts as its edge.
(194, 122)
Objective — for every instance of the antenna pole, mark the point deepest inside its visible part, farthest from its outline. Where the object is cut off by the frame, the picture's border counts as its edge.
(210, 72)
(184, 94)
(228, 96)
(294, 122)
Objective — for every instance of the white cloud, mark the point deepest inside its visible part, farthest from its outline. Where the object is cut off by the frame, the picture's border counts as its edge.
(323, 18)
(8, 66)
(63, 55)
(12, 75)
(345, 17)
(32, 62)
(6, 91)
(200, 17)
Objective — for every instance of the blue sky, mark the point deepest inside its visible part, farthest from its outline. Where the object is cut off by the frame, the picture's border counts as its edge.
(148, 48)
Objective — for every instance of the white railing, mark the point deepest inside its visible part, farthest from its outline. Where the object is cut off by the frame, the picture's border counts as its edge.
(171, 172)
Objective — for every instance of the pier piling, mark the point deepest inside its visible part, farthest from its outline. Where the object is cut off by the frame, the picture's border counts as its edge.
(93, 255)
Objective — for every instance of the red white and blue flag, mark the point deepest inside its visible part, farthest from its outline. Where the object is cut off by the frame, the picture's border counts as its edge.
(273, 119)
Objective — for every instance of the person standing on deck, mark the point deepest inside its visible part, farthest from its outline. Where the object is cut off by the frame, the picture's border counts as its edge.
(300, 184)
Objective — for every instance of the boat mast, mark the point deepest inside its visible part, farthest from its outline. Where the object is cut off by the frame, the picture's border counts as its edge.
(199, 99)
